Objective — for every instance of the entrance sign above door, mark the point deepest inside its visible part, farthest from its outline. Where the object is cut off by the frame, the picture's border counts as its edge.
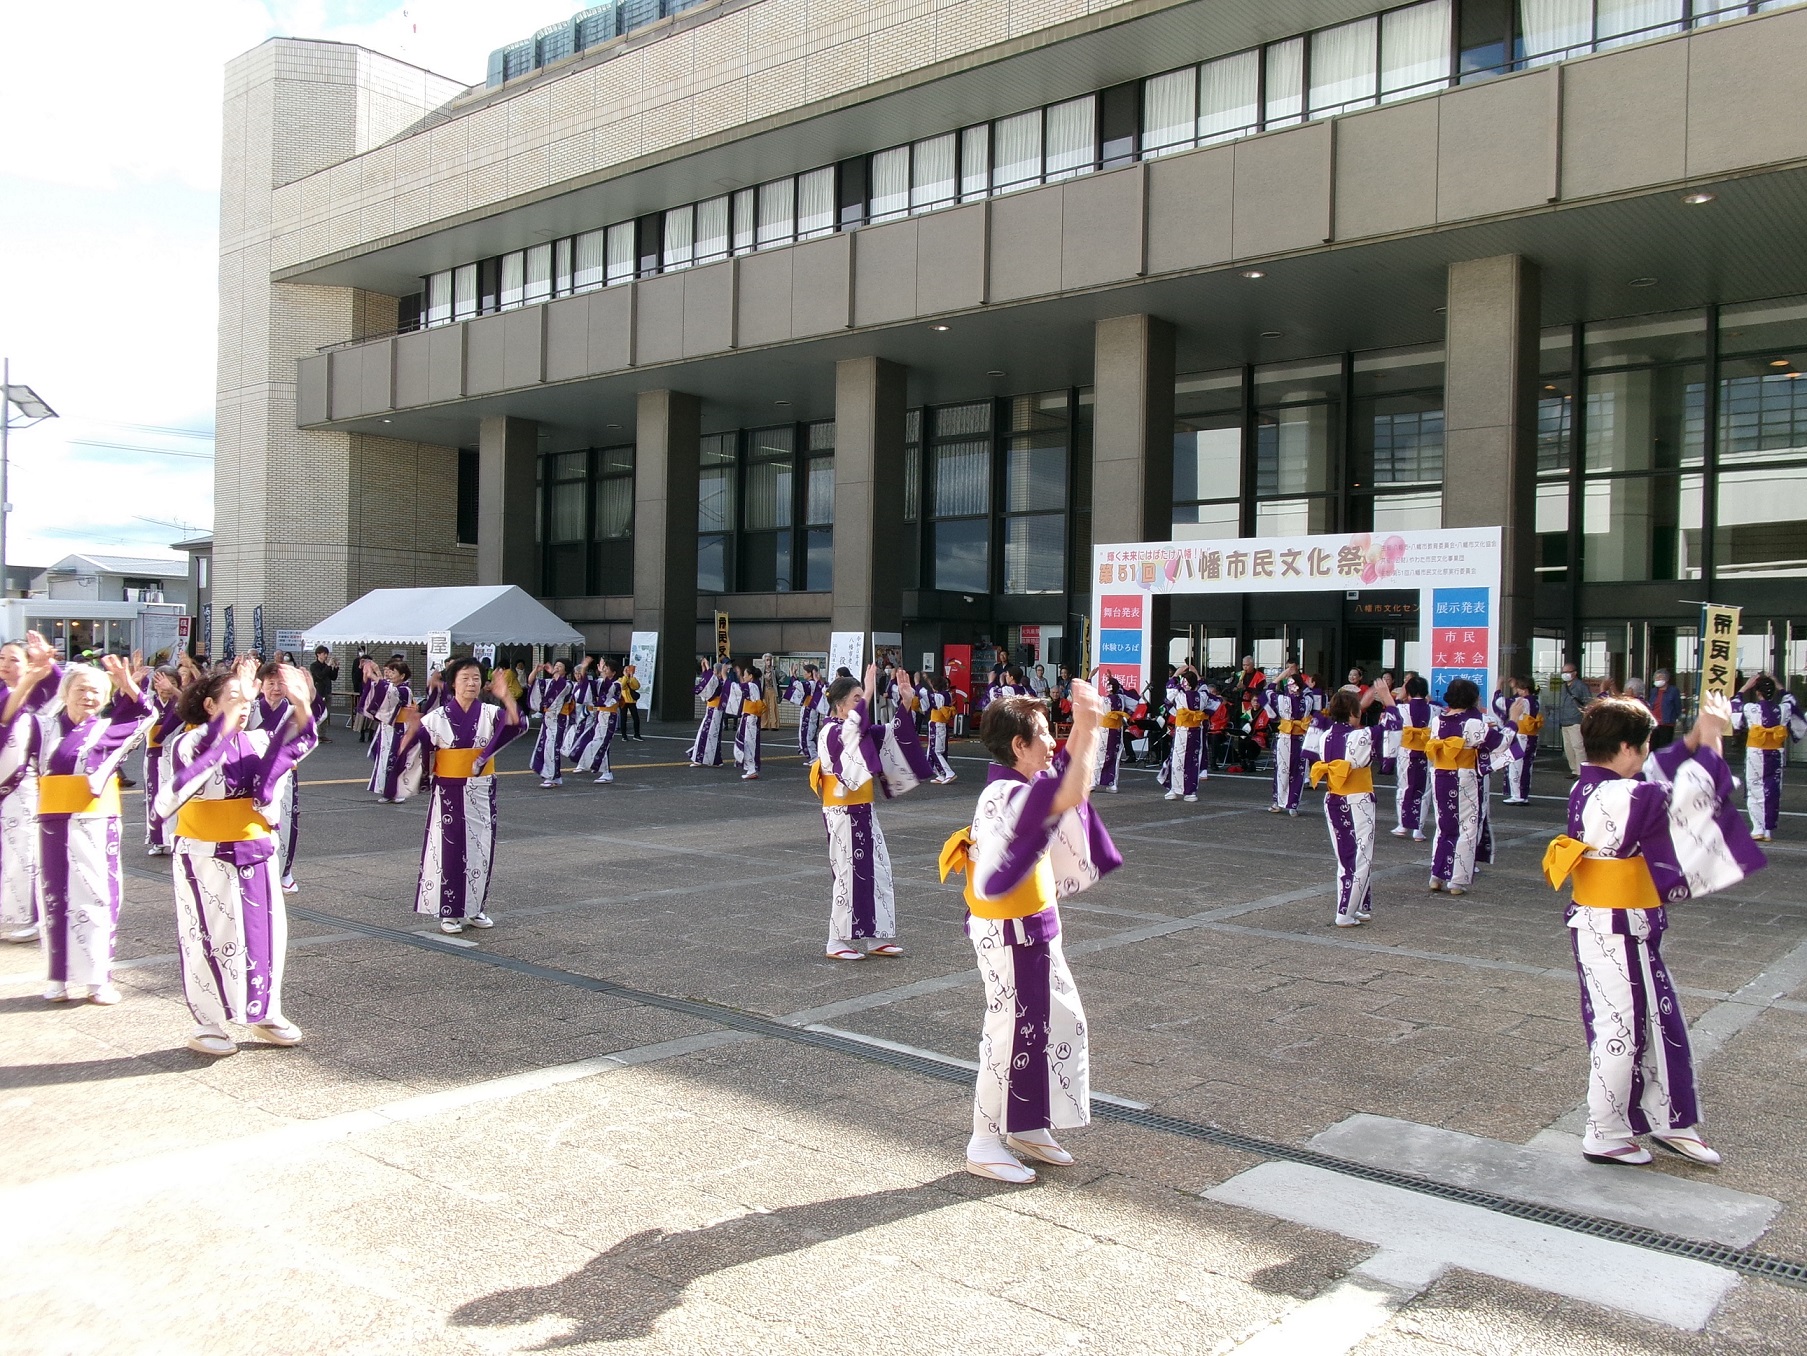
(1455, 570)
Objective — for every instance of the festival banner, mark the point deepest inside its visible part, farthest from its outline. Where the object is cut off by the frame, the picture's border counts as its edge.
(643, 654)
(1719, 648)
(231, 638)
(257, 631)
(724, 648)
(846, 650)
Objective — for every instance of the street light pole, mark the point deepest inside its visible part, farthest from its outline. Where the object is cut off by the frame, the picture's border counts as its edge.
(35, 411)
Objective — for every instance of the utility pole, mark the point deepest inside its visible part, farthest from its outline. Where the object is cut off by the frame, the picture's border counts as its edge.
(35, 411)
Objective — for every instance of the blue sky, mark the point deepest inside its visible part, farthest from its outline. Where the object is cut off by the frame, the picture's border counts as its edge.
(109, 213)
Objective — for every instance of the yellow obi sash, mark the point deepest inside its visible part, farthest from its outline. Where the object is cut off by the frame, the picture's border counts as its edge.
(460, 763)
(1529, 725)
(1183, 719)
(1344, 780)
(1766, 737)
(828, 787)
(1112, 720)
(1600, 882)
(1032, 894)
(70, 796)
(1415, 737)
(221, 821)
(568, 709)
(1449, 754)
(714, 702)
(609, 706)
(1296, 727)
(752, 708)
(944, 715)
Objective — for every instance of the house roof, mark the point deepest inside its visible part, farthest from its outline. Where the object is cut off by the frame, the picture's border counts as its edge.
(155, 567)
(474, 614)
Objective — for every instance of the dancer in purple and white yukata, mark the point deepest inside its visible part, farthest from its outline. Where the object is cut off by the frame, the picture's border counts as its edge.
(582, 725)
(164, 697)
(455, 748)
(1644, 831)
(550, 695)
(1522, 715)
(222, 789)
(19, 904)
(388, 695)
(270, 711)
(1411, 720)
(712, 688)
(1771, 720)
(607, 702)
(77, 751)
(1034, 840)
(745, 706)
(1460, 737)
(941, 723)
(1347, 759)
(1289, 717)
(1113, 728)
(854, 757)
(809, 694)
(1186, 708)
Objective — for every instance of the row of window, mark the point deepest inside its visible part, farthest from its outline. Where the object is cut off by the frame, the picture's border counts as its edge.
(1397, 54)
(765, 510)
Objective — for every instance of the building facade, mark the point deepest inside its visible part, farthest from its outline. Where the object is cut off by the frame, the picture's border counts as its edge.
(834, 315)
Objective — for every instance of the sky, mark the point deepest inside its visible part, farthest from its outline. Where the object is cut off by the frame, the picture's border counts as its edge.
(109, 223)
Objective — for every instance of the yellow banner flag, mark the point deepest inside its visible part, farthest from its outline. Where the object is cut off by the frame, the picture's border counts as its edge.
(1718, 649)
(722, 648)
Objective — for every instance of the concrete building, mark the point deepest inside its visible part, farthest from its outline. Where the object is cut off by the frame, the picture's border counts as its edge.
(875, 314)
(117, 579)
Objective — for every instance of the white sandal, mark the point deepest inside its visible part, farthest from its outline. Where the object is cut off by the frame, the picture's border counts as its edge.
(845, 953)
(211, 1043)
(1050, 1153)
(1013, 1172)
(1687, 1144)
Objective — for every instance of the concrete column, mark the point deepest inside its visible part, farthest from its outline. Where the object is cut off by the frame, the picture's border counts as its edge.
(1490, 427)
(869, 538)
(507, 478)
(668, 431)
(1132, 429)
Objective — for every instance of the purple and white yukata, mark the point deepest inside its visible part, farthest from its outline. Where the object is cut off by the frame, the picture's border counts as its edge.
(582, 724)
(740, 696)
(1458, 794)
(551, 697)
(706, 748)
(1412, 767)
(458, 854)
(284, 812)
(79, 885)
(1289, 750)
(1111, 738)
(1763, 767)
(604, 700)
(19, 904)
(1351, 819)
(384, 705)
(940, 706)
(1034, 1064)
(231, 923)
(1678, 815)
(811, 700)
(165, 725)
(1182, 771)
(857, 752)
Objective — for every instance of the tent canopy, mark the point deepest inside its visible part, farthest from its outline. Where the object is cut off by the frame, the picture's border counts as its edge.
(485, 614)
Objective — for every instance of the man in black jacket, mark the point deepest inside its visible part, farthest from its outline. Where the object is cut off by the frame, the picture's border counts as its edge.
(325, 674)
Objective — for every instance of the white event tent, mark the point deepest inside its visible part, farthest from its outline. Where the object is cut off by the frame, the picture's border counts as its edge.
(482, 614)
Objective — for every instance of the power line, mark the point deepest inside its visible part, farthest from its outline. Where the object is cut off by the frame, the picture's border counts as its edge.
(153, 451)
(157, 428)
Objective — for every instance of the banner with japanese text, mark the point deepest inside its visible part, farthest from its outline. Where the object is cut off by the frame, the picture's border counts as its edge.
(1456, 572)
(1719, 648)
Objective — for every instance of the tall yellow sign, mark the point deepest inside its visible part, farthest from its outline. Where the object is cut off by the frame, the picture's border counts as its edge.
(723, 650)
(1718, 649)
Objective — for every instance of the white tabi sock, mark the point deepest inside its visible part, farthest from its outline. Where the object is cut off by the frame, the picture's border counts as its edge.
(1035, 1137)
(989, 1148)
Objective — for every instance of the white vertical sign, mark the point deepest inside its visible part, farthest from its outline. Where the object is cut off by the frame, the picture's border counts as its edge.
(846, 650)
(643, 654)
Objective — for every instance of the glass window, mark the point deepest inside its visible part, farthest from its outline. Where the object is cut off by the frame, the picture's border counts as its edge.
(1640, 528)
(1207, 459)
(1417, 512)
(1552, 561)
(1762, 411)
(1344, 65)
(1207, 522)
(715, 483)
(1035, 472)
(745, 219)
(962, 479)
(890, 183)
(439, 298)
(963, 555)
(912, 482)
(1765, 327)
(815, 203)
(777, 213)
(464, 292)
(1073, 138)
(1622, 21)
(1169, 112)
(1228, 97)
(514, 278)
(819, 563)
(1555, 424)
(1285, 82)
(592, 263)
(818, 509)
(680, 238)
(975, 162)
(769, 492)
(712, 230)
(1407, 441)
(569, 472)
(538, 273)
(1645, 419)
(1292, 517)
(1555, 29)
(932, 173)
(1762, 524)
(1035, 553)
(711, 564)
(1017, 151)
(1415, 50)
(561, 267)
(614, 507)
(1292, 451)
(1647, 339)
(621, 260)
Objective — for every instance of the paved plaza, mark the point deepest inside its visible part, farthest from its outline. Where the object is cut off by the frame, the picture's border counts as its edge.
(645, 1113)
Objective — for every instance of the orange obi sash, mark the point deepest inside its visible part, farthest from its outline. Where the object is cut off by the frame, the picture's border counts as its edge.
(1031, 895)
(456, 764)
(1344, 780)
(942, 715)
(828, 787)
(236, 820)
(1766, 737)
(1415, 737)
(1447, 755)
(1294, 728)
(1183, 719)
(1600, 882)
(1529, 725)
(1112, 720)
(714, 702)
(568, 709)
(67, 795)
(752, 708)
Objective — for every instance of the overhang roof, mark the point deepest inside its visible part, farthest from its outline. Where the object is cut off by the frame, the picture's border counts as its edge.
(499, 614)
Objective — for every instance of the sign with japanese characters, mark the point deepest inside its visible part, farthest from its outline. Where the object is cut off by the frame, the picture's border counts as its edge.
(1455, 572)
(1719, 648)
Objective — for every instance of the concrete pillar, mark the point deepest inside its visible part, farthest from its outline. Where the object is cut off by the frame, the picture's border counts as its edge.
(668, 432)
(869, 538)
(1490, 427)
(507, 479)
(1132, 429)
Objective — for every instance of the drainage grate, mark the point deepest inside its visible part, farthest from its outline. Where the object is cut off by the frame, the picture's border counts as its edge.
(1742, 1260)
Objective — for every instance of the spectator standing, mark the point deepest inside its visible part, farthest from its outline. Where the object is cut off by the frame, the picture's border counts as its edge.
(1038, 681)
(1572, 695)
(324, 673)
(1666, 705)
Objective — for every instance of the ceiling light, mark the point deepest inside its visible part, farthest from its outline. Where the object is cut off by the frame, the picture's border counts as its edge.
(781, 402)
(388, 421)
(1253, 273)
(939, 329)
(1642, 282)
(612, 426)
(1549, 388)
(1270, 334)
(1773, 362)
(1440, 310)
(1696, 199)
(995, 372)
